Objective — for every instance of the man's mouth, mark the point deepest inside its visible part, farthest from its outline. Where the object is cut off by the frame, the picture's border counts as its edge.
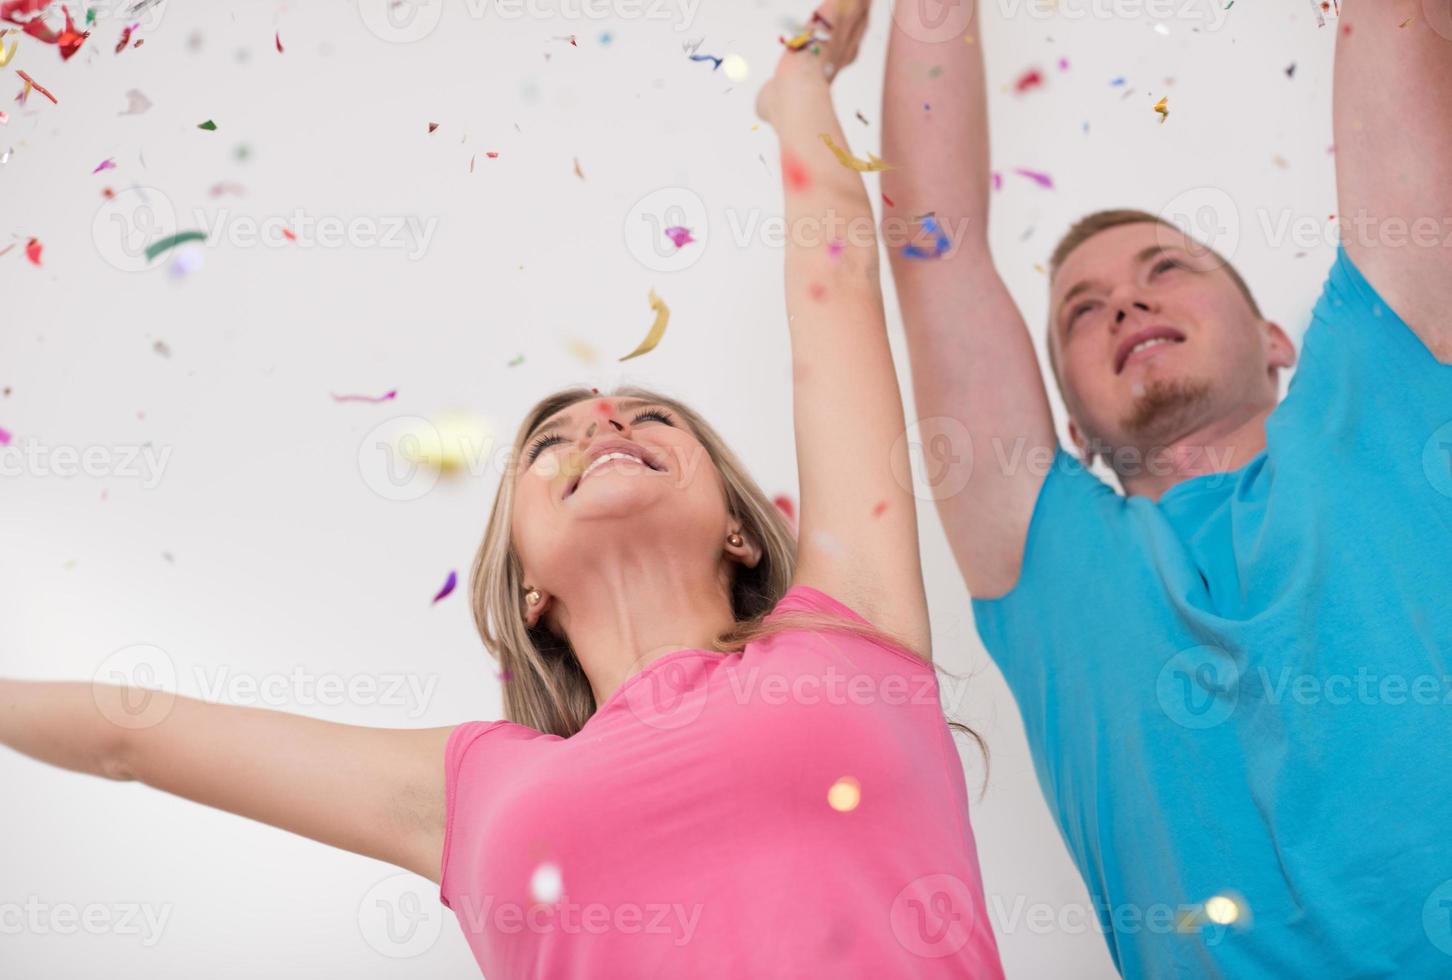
(1147, 339)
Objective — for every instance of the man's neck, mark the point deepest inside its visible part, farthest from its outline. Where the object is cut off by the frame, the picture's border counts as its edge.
(1218, 446)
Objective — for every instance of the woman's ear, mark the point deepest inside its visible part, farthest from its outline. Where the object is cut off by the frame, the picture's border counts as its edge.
(747, 552)
(535, 601)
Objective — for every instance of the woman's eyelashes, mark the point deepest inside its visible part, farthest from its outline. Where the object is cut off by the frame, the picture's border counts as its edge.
(544, 442)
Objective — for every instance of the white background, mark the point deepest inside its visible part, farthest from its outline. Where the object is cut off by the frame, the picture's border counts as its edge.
(283, 555)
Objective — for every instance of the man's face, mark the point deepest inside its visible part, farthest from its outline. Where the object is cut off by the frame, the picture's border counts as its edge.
(1153, 339)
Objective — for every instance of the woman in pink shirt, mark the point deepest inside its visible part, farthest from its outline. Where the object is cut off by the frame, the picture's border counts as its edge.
(725, 753)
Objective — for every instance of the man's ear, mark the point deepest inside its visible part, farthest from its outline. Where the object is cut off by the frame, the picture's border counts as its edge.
(747, 553)
(1281, 353)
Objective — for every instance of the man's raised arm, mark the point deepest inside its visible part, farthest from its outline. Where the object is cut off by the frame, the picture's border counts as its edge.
(1392, 112)
(973, 361)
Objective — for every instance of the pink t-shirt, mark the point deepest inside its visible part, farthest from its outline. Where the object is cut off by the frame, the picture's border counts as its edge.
(796, 809)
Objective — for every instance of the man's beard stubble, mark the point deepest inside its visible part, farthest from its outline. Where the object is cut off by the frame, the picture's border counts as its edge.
(1166, 407)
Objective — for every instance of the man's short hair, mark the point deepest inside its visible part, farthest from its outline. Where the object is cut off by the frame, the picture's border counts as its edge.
(1090, 225)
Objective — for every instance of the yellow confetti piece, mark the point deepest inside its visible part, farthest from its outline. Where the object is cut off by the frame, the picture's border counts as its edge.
(657, 329)
(1163, 108)
(967, 38)
(5, 55)
(801, 40)
(581, 350)
(871, 164)
(844, 795)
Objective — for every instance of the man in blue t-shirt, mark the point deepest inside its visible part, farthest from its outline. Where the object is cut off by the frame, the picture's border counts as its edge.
(1236, 676)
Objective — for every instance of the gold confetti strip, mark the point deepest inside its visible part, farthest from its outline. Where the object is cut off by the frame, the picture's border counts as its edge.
(5, 55)
(871, 164)
(1163, 108)
(801, 40)
(657, 329)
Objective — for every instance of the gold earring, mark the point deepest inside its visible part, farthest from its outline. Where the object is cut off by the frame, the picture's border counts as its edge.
(735, 540)
(532, 596)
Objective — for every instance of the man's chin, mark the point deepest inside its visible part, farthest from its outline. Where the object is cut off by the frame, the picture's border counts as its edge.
(1166, 407)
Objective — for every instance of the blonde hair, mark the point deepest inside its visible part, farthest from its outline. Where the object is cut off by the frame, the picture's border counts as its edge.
(545, 686)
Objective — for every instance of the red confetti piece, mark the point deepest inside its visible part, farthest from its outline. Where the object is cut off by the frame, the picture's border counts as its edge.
(291, 236)
(31, 83)
(366, 398)
(784, 504)
(32, 251)
(492, 154)
(888, 201)
(818, 291)
(449, 584)
(880, 508)
(1030, 79)
(125, 37)
(278, 38)
(797, 176)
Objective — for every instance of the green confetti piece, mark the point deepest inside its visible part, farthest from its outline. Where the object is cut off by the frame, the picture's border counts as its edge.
(90, 16)
(172, 241)
(209, 126)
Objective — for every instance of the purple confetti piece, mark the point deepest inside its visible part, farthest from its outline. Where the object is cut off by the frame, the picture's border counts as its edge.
(4, 437)
(997, 180)
(1038, 177)
(107, 164)
(449, 584)
(681, 236)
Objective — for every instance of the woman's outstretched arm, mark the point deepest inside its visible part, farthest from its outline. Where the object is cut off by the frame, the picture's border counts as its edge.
(858, 515)
(374, 791)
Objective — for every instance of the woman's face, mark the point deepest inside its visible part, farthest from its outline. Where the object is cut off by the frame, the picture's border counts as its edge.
(612, 473)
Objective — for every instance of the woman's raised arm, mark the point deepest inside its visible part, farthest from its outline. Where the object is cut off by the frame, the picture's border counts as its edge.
(858, 515)
(373, 791)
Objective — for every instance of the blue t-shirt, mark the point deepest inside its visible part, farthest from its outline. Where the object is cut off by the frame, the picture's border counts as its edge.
(1242, 695)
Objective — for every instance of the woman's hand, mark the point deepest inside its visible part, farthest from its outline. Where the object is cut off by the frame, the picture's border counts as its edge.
(808, 70)
(848, 20)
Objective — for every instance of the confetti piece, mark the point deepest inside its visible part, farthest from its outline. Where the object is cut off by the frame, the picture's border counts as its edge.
(798, 177)
(806, 37)
(32, 251)
(680, 236)
(186, 260)
(845, 795)
(209, 126)
(887, 200)
(546, 885)
(449, 584)
(5, 437)
(834, 248)
(433, 126)
(516, 362)
(1037, 176)
(566, 37)
(374, 399)
(862, 119)
(1117, 82)
(880, 508)
(784, 504)
(1063, 64)
(941, 243)
(289, 234)
(818, 291)
(578, 172)
(32, 83)
(997, 180)
(6, 55)
(1291, 70)
(107, 164)
(172, 241)
(278, 39)
(160, 347)
(707, 57)
(582, 351)
(735, 68)
(657, 329)
(870, 165)
(136, 104)
(1163, 108)
(492, 154)
(1029, 80)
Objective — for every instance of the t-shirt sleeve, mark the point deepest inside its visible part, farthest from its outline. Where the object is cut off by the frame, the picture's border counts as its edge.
(1081, 538)
(1361, 371)
(457, 780)
(805, 599)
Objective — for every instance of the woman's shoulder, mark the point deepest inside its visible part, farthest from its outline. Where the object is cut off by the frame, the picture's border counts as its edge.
(835, 619)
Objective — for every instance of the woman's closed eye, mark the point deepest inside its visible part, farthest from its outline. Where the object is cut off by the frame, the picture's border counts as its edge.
(544, 442)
